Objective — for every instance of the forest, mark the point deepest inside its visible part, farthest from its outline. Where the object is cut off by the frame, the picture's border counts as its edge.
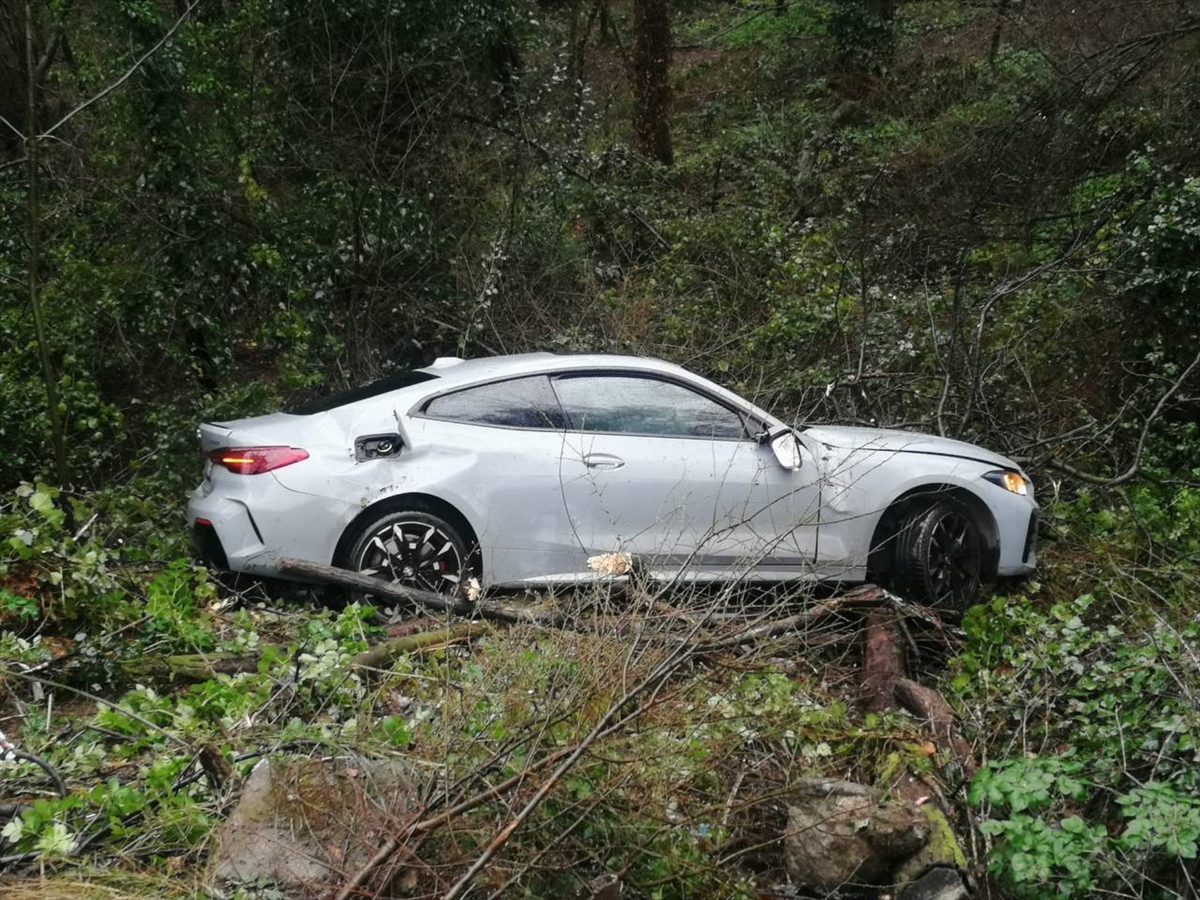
(978, 219)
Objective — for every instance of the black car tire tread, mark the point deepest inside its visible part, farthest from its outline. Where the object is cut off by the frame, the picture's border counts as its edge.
(912, 573)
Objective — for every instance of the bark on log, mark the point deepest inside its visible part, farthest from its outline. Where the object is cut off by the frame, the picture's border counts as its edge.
(384, 654)
(191, 666)
(883, 660)
(929, 705)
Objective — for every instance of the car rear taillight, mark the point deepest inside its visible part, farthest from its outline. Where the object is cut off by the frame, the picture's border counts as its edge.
(256, 460)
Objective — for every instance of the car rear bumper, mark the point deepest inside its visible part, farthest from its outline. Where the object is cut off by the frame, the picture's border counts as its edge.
(265, 522)
(208, 544)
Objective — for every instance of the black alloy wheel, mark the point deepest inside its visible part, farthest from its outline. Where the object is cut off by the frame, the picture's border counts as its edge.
(939, 557)
(414, 549)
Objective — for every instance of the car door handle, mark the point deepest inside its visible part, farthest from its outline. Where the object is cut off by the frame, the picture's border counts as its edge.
(603, 461)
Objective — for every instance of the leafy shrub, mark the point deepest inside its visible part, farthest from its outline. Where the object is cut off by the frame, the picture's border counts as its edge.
(1099, 782)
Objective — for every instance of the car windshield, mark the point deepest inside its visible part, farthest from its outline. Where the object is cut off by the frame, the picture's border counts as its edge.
(364, 392)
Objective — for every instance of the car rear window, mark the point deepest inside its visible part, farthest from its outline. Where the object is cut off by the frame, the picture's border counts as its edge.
(365, 392)
(517, 403)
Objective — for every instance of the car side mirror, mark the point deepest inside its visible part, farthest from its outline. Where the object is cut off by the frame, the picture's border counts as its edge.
(786, 447)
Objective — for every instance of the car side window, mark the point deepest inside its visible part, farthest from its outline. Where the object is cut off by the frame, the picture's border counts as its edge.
(627, 404)
(516, 403)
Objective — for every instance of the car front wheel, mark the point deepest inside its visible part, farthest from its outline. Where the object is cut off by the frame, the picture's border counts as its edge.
(939, 557)
(414, 549)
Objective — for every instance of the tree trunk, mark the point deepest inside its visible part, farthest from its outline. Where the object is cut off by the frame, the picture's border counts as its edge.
(13, 93)
(580, 31)
(608, 31)
(33, 237)
(998, 30)
(651, 69)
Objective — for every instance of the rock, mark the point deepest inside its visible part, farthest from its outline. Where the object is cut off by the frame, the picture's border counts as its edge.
(939, 883)
(303, 823)
(605, 887)
(841, 833)
(941, 850)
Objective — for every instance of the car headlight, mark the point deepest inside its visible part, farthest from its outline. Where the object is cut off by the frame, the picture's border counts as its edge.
(1010, 481)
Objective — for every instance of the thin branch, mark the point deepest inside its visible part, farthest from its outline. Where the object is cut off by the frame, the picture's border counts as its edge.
(15, 130)
(605, 726)
(574, 172)
(128, 74)
(116, 707)
(1136, 466)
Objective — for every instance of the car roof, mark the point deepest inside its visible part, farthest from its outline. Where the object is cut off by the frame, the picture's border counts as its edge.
(452, 371)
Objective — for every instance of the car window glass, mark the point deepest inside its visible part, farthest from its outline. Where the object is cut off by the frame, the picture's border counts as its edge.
(517, 403)
(631, 405)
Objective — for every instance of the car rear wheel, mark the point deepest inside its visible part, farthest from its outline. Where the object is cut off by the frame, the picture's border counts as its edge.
(939, 557)
(412, 548)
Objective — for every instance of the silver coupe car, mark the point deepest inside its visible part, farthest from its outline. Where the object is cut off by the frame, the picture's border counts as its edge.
(518, 470)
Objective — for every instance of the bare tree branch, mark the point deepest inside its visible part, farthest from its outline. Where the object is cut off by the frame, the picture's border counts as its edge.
(1136, 466)
(128, 74)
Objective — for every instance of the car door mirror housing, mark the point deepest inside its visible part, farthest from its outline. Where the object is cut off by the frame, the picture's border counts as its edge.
(786, 448)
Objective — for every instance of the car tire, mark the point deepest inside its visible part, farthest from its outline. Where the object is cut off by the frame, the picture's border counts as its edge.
(938, 560)
(412, 548)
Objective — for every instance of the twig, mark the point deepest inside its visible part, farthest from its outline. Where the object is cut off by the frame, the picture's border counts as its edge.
(659, 674)
(400, 840)
(1136, 466)
(84, 528)
(15, 130)
(775, 627)
(57, 685)
(128, 74)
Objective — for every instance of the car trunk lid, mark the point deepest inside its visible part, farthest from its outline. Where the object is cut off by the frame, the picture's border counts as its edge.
(260, 431)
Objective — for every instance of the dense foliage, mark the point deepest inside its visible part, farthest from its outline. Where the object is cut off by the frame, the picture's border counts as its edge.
(978, 219)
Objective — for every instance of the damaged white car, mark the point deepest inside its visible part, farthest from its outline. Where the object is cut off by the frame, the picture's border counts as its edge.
(516, 470)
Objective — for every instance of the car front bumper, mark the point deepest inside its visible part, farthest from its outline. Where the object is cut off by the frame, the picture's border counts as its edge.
(1017, 522)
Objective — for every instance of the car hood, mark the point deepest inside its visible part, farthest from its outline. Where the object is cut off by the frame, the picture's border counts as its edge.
(884, 440)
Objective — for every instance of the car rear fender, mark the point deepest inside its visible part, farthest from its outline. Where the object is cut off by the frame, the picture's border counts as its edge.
(416, 500)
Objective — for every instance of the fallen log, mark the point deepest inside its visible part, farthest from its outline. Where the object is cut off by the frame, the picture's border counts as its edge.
(867, 595)
(428, 599)
(931, 706)
(776, 627)
(190, 666)
(383, 654)
(883, 660)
